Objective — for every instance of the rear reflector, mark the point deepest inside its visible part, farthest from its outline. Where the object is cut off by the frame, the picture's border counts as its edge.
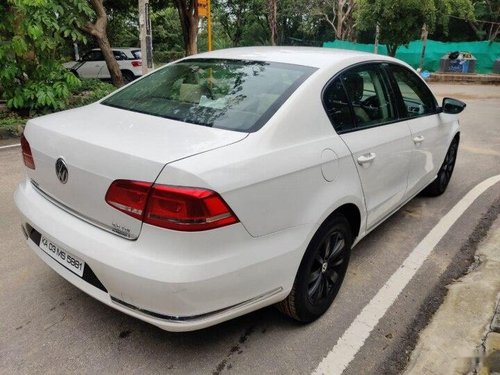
(27, 155)
(136, 63)
(172, 207)
(129, 196)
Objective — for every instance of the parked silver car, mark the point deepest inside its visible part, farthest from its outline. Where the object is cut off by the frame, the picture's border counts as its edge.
(93, 65)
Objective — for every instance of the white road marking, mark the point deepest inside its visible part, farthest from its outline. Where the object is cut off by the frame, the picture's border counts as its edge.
(10, 146)
(354, 337)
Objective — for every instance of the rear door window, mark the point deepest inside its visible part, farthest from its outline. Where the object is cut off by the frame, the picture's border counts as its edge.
(136, 54)
(119, 55)
(369, 95)
(93, 56)
(337, 106)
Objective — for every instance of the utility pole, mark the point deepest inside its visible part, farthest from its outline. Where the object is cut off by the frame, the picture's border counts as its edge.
(204, 11)
(377, 34)
(209, 25)
(145, 36)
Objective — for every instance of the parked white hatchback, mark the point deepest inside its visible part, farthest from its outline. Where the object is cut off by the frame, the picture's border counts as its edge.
(93, 65)
(232, 180)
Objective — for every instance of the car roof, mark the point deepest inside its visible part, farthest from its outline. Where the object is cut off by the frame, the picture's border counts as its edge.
(308, 56)
(119, 49)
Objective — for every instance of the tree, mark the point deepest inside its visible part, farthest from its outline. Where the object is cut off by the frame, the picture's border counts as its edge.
(31, 34)
(123, 27)
(338, 14)
(486, 24)
(400, 20)
(98, 31)
(451, 8)
(168, 40)
(188, 16)
(235, 17)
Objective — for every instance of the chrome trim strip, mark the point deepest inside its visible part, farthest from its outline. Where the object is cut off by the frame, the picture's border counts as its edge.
(195, 318)
(70, 211)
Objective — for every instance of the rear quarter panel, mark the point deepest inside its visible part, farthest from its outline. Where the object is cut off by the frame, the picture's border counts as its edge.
(273, 180)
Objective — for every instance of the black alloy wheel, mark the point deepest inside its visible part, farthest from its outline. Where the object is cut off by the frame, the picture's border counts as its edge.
(329, 263)
(439, 185)
(321, 271)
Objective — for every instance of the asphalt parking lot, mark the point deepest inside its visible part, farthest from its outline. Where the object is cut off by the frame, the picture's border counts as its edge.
(49, 326)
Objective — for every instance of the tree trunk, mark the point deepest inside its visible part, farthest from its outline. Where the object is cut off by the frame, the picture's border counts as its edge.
(188, 16)
(391, 49)
(424, 45)
(98, 31)
(273, 13)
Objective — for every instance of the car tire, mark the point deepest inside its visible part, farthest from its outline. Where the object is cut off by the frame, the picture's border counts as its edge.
(439, 185)
(127, 76)
(321, 271)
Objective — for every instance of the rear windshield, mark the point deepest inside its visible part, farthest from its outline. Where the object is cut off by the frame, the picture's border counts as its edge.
(136, 53)
(229, 94)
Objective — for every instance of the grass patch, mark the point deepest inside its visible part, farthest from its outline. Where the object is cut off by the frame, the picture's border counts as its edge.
(90, 91)
(11, 124)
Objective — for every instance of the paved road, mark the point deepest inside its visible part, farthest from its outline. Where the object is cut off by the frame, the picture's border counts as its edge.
(49, 326)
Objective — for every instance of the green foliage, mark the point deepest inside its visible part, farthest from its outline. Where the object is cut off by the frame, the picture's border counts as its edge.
(167, 34)
(299, 23)
(486, 10)
(238, 19)
(11, 124)
(9, 119)
(123, 27)
(400, 21)
(90, 91)
(446, 8)
(31, 31)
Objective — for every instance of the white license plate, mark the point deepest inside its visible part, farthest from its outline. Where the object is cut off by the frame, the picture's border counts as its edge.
(68, 260)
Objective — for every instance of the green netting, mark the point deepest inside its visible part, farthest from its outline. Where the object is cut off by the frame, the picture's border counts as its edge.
(485, 52)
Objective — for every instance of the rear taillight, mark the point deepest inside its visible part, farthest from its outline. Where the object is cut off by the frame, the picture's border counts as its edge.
(172, 207)
(187, 209)
(27, 155)
(136, 63)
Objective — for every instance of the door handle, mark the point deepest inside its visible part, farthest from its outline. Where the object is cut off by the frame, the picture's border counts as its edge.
(366, 158)
(418, 139)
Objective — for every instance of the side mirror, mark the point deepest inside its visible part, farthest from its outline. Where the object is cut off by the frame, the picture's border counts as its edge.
(452, 106)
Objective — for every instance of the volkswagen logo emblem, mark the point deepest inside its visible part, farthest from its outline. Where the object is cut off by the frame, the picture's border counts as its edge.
(61, 170)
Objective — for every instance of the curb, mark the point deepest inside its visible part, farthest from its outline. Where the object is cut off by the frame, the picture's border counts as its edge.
(482, 79)
(463, 337)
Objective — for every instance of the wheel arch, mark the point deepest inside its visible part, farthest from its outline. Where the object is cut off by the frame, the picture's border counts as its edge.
(353, 215)
(127, 71)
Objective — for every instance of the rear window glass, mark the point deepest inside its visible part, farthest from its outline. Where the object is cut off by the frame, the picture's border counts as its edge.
(136, 54)
(229, 94)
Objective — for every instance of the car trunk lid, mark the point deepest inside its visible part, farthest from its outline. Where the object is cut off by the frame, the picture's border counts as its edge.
(99, 144)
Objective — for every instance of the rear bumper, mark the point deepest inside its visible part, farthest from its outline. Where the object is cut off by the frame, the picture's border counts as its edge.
(174, 280)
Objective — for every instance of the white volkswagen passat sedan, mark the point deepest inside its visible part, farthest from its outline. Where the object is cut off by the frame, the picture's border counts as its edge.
(232, 180)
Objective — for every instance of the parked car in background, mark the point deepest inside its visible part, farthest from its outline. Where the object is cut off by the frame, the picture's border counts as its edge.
(232, 180)
(93, 65)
